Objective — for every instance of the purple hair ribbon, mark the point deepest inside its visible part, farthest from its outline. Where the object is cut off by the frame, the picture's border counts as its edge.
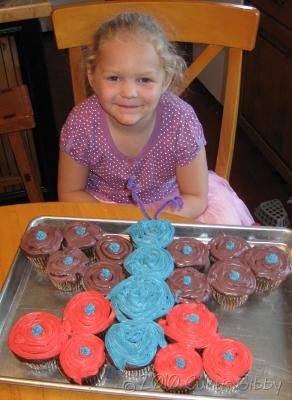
(177, 202)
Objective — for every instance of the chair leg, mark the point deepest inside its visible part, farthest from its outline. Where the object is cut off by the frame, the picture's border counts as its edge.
(24, 164)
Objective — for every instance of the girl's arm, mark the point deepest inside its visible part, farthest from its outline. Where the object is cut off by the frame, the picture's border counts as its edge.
(192, 181)
(72, 180)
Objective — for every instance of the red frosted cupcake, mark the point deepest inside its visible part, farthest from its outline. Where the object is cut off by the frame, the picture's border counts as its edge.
(177, 368)
(190, 324)
(224, 246)
(113, 248)
(82, 359)
(226, 362)
(82, 235)
(189, 252)
(88, 312)
(37, 338)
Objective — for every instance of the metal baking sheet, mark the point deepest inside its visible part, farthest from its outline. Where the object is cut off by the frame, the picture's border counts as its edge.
(264, 323)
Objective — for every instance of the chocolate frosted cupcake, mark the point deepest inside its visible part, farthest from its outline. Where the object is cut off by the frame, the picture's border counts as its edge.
(132, 345)
(37, 338)
(65, 269)
(189, 286)
(189, 252)
(231, 282)
(113, 248)
(270, 264)
(102, 276)
(177, 368)
(88, 312)
(148, 232)
(190, 324)
(223, 246)
(39, 242)
(226, 362)
(142, 297)
(152, 260)
(82, 235)
(82, 359)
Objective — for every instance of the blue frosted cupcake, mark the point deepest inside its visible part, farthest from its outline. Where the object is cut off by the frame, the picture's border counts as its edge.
(132, 345)
(155, 231)
(141, 297)
(150, 260)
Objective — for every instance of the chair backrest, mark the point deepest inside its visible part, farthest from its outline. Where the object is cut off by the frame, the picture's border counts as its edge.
(216, 25)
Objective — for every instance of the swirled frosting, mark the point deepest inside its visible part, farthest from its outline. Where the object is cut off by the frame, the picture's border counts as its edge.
(155, 231)
(142, 297)
(176, 365)
(82, 357)
(82, 234)
(226, 361)
(150, 260)
(103, 276)
(191, 324)
(189, 285)
(268, 262)
(133, 344)
(37, 336)
(41, 240)
(113, 247)
(88, 312)
(232, 278)
(187, 252)
(226, 246)
(65, 265)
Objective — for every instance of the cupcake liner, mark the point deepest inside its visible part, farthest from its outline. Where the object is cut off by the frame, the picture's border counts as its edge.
(229, 302)
(95, 380)
(39, 262)
(265, 286)
(137, 373)
(218, 387)
(68, 286)
(90, 253)
(180, 390)
(43, 365)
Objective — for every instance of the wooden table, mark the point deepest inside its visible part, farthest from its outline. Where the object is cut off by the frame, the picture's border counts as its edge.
(13, 222)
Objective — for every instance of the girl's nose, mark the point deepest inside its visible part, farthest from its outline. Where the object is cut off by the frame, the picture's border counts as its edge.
(129, 89)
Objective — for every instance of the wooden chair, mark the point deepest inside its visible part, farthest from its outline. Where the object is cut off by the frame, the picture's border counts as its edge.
(16, 116)
(216, 25)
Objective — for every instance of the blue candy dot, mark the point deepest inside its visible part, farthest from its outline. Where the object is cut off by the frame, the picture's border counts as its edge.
(187, 280)
(272, 258)
(40, 235)
(89, 309)
(180, 362)
(105, 273)
(193, 318)
(37, 330)
(80, 230)
(115, 247)
(228, 356)
(187, 250)
(85, 351)
(68, 260)
(234, 275)
(230, 245)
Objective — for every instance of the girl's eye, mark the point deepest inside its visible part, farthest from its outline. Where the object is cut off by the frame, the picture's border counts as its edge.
(145, 80)
(113, 78)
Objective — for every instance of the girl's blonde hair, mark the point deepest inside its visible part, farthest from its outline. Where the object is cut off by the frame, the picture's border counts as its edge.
(145, 25)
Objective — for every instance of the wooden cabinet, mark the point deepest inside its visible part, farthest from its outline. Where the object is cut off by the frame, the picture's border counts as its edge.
(266, 96)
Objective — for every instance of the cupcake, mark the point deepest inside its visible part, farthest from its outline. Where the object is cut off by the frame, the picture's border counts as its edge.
(102, 276)
(132, 345)
(189, 286)
(142, 297)
(155, 231)
(151, 260)
(39, 242)
(189, 252)
(177, 368)
(82, 235)
(223, 246)
(88, 312)
(82, 359)
(232, 283)
(36, 339)
(226, 362)
(65, 269)
(113, 248)
(270, 264)
(190, 324)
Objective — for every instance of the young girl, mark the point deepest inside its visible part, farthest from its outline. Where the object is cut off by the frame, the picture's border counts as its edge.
(134, 125)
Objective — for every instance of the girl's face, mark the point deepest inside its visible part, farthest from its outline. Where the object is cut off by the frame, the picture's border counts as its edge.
(128, 80)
